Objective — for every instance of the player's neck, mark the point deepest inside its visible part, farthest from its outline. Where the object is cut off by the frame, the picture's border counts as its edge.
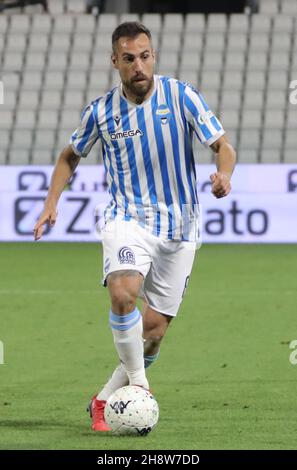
(136, 99)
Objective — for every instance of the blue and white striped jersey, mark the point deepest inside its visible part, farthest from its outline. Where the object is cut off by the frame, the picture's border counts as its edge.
(148, 154)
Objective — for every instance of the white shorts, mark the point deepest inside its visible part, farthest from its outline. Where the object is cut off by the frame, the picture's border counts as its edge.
(164, 264)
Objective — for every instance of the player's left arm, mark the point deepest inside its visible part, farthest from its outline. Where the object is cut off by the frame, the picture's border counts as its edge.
(225, 159)
(211, 133)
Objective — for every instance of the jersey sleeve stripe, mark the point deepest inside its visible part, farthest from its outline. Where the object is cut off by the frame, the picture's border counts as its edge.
(205, 132)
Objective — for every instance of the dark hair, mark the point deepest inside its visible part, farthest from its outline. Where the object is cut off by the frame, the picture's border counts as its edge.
(130, 29)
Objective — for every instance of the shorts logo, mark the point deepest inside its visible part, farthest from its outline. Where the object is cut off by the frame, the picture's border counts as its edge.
(106, 265)
(126, 255)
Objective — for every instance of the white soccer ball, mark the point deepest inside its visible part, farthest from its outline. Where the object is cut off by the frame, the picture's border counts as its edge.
(131, 410)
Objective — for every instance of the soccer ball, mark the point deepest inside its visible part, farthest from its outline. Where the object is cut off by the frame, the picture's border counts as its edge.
(131, 410)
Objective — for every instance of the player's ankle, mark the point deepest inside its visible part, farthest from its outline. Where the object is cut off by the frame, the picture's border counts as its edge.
(140, 381)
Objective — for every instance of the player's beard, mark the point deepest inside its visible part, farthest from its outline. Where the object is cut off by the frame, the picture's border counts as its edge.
(138, 88)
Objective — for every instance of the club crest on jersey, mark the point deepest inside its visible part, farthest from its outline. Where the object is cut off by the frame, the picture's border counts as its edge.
(163, 113)
(126, 255)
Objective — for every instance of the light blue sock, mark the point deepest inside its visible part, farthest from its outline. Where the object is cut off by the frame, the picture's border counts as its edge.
(127, 334)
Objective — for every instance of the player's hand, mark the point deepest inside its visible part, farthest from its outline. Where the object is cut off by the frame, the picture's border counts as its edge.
(221, 186)
(49, 214)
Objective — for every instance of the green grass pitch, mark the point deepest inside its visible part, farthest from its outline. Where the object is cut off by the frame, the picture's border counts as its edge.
(223, 379)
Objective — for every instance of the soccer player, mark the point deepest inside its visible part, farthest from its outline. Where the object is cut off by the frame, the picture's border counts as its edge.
(146, 127)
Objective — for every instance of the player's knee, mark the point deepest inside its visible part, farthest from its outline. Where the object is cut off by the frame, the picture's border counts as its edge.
(123, 293)
(122, 301)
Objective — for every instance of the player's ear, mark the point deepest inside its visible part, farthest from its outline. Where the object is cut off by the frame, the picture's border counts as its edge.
(154, 56)
(114, 61)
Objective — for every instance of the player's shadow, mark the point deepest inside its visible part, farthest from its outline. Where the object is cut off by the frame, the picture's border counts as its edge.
(41, 423)
(108, 435)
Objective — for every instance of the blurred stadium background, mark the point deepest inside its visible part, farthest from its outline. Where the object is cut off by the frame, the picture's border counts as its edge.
(53, 64)
(55, 59)
(236, 323)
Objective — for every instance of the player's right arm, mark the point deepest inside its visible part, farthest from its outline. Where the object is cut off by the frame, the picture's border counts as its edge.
(81, 142)
(63, 171)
